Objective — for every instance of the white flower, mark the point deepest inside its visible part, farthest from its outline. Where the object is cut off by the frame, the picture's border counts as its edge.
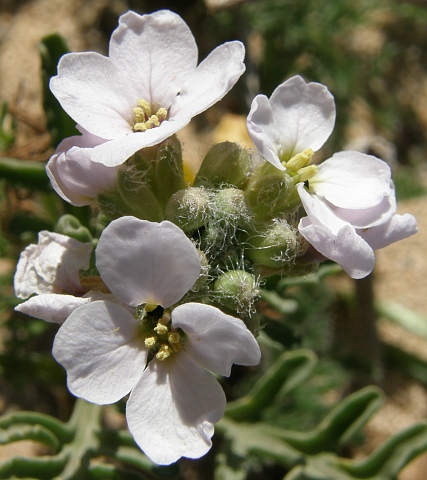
(298, 116)
(74, 176)
(51, 266)
(148, 88)
(349, 199)
(161, 354)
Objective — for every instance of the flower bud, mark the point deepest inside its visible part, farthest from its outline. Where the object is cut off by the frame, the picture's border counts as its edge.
(277, 245)
(237, 290)
(231, 206)
(269, 195)
(189, 208)
(70, 226)
(226, 163)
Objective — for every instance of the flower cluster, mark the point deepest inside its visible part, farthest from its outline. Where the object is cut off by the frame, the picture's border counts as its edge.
(171, 295)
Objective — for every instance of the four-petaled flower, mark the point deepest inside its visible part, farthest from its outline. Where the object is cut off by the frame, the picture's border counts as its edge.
(349, 199)
(148, 88)
(162, 353)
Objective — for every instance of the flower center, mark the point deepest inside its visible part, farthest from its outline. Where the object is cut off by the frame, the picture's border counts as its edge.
(161, 339)
(299, 168)
(145, 118)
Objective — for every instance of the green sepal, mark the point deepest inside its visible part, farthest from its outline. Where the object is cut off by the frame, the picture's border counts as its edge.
(137, 194)
(226, 163)
(169, 171)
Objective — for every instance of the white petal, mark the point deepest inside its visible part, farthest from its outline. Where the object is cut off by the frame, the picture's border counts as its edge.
(263, 130)
(51, 266)
(117, 151)
(147, 262)
(319, 212)
(74, 176)
(369, 217)
(156, 51)
(345, 247)
(172, 410)
(95, 93)
(215, 340)
(304, 114)
(398, 228)
(353, 180)
(212, 79)
(51, 307)
(99, 348)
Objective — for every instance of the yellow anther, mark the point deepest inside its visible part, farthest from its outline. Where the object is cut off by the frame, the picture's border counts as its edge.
(174, 337)
(300, 160)
(145, 107)
(161, 329)
(164, 352)
(150, 342)
(306, 173)
(162, 114)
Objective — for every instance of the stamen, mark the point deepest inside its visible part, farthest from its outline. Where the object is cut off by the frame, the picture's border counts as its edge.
(161, 329)
(150, 342)
(144, 119)
(300, 160)
(164, 352)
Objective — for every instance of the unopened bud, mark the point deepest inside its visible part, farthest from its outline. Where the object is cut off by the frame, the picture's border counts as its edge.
(269, 195)
(231, 206)
(274, 247)
(189, 208)
(226, 163)
(237, 290)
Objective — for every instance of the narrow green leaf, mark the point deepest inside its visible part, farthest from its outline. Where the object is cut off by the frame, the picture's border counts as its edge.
(25, 173)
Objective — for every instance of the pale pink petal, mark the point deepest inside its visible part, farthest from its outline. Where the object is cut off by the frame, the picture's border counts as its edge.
(304, 114)
(95, 93)
(398, 228)
(51, 266)
(117, 151)
(263, 130)
(211, 80)
(99, 348)
(215, 340)
(171, 411)
(157, 52)
(147, 262)
(51, 307)
(74, 176)
(353, 180)
(344, 247)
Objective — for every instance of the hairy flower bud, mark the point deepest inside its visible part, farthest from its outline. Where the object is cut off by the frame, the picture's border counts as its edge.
(189, 208)
(231, 206)
(237, 290)
(276, 245)
(226, 163)
(271, 194)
